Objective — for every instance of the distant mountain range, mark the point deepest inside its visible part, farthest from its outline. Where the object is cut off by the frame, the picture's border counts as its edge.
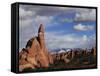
(67, 49)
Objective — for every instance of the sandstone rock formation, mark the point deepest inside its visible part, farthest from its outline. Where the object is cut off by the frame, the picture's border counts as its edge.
(35, 54)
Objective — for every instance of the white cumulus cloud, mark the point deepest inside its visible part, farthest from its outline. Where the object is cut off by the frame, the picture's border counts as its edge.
(25, 13)
(54, 41)
(85, 15)
(81, 27)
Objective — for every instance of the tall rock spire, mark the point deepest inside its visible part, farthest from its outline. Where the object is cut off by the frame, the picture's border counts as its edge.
(41, 28)
(35, 54)
(41, 36)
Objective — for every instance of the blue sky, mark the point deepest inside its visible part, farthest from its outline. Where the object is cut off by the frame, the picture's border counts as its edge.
(65, 27)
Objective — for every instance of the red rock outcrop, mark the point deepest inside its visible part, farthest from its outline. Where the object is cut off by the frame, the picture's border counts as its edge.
(35, 54)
